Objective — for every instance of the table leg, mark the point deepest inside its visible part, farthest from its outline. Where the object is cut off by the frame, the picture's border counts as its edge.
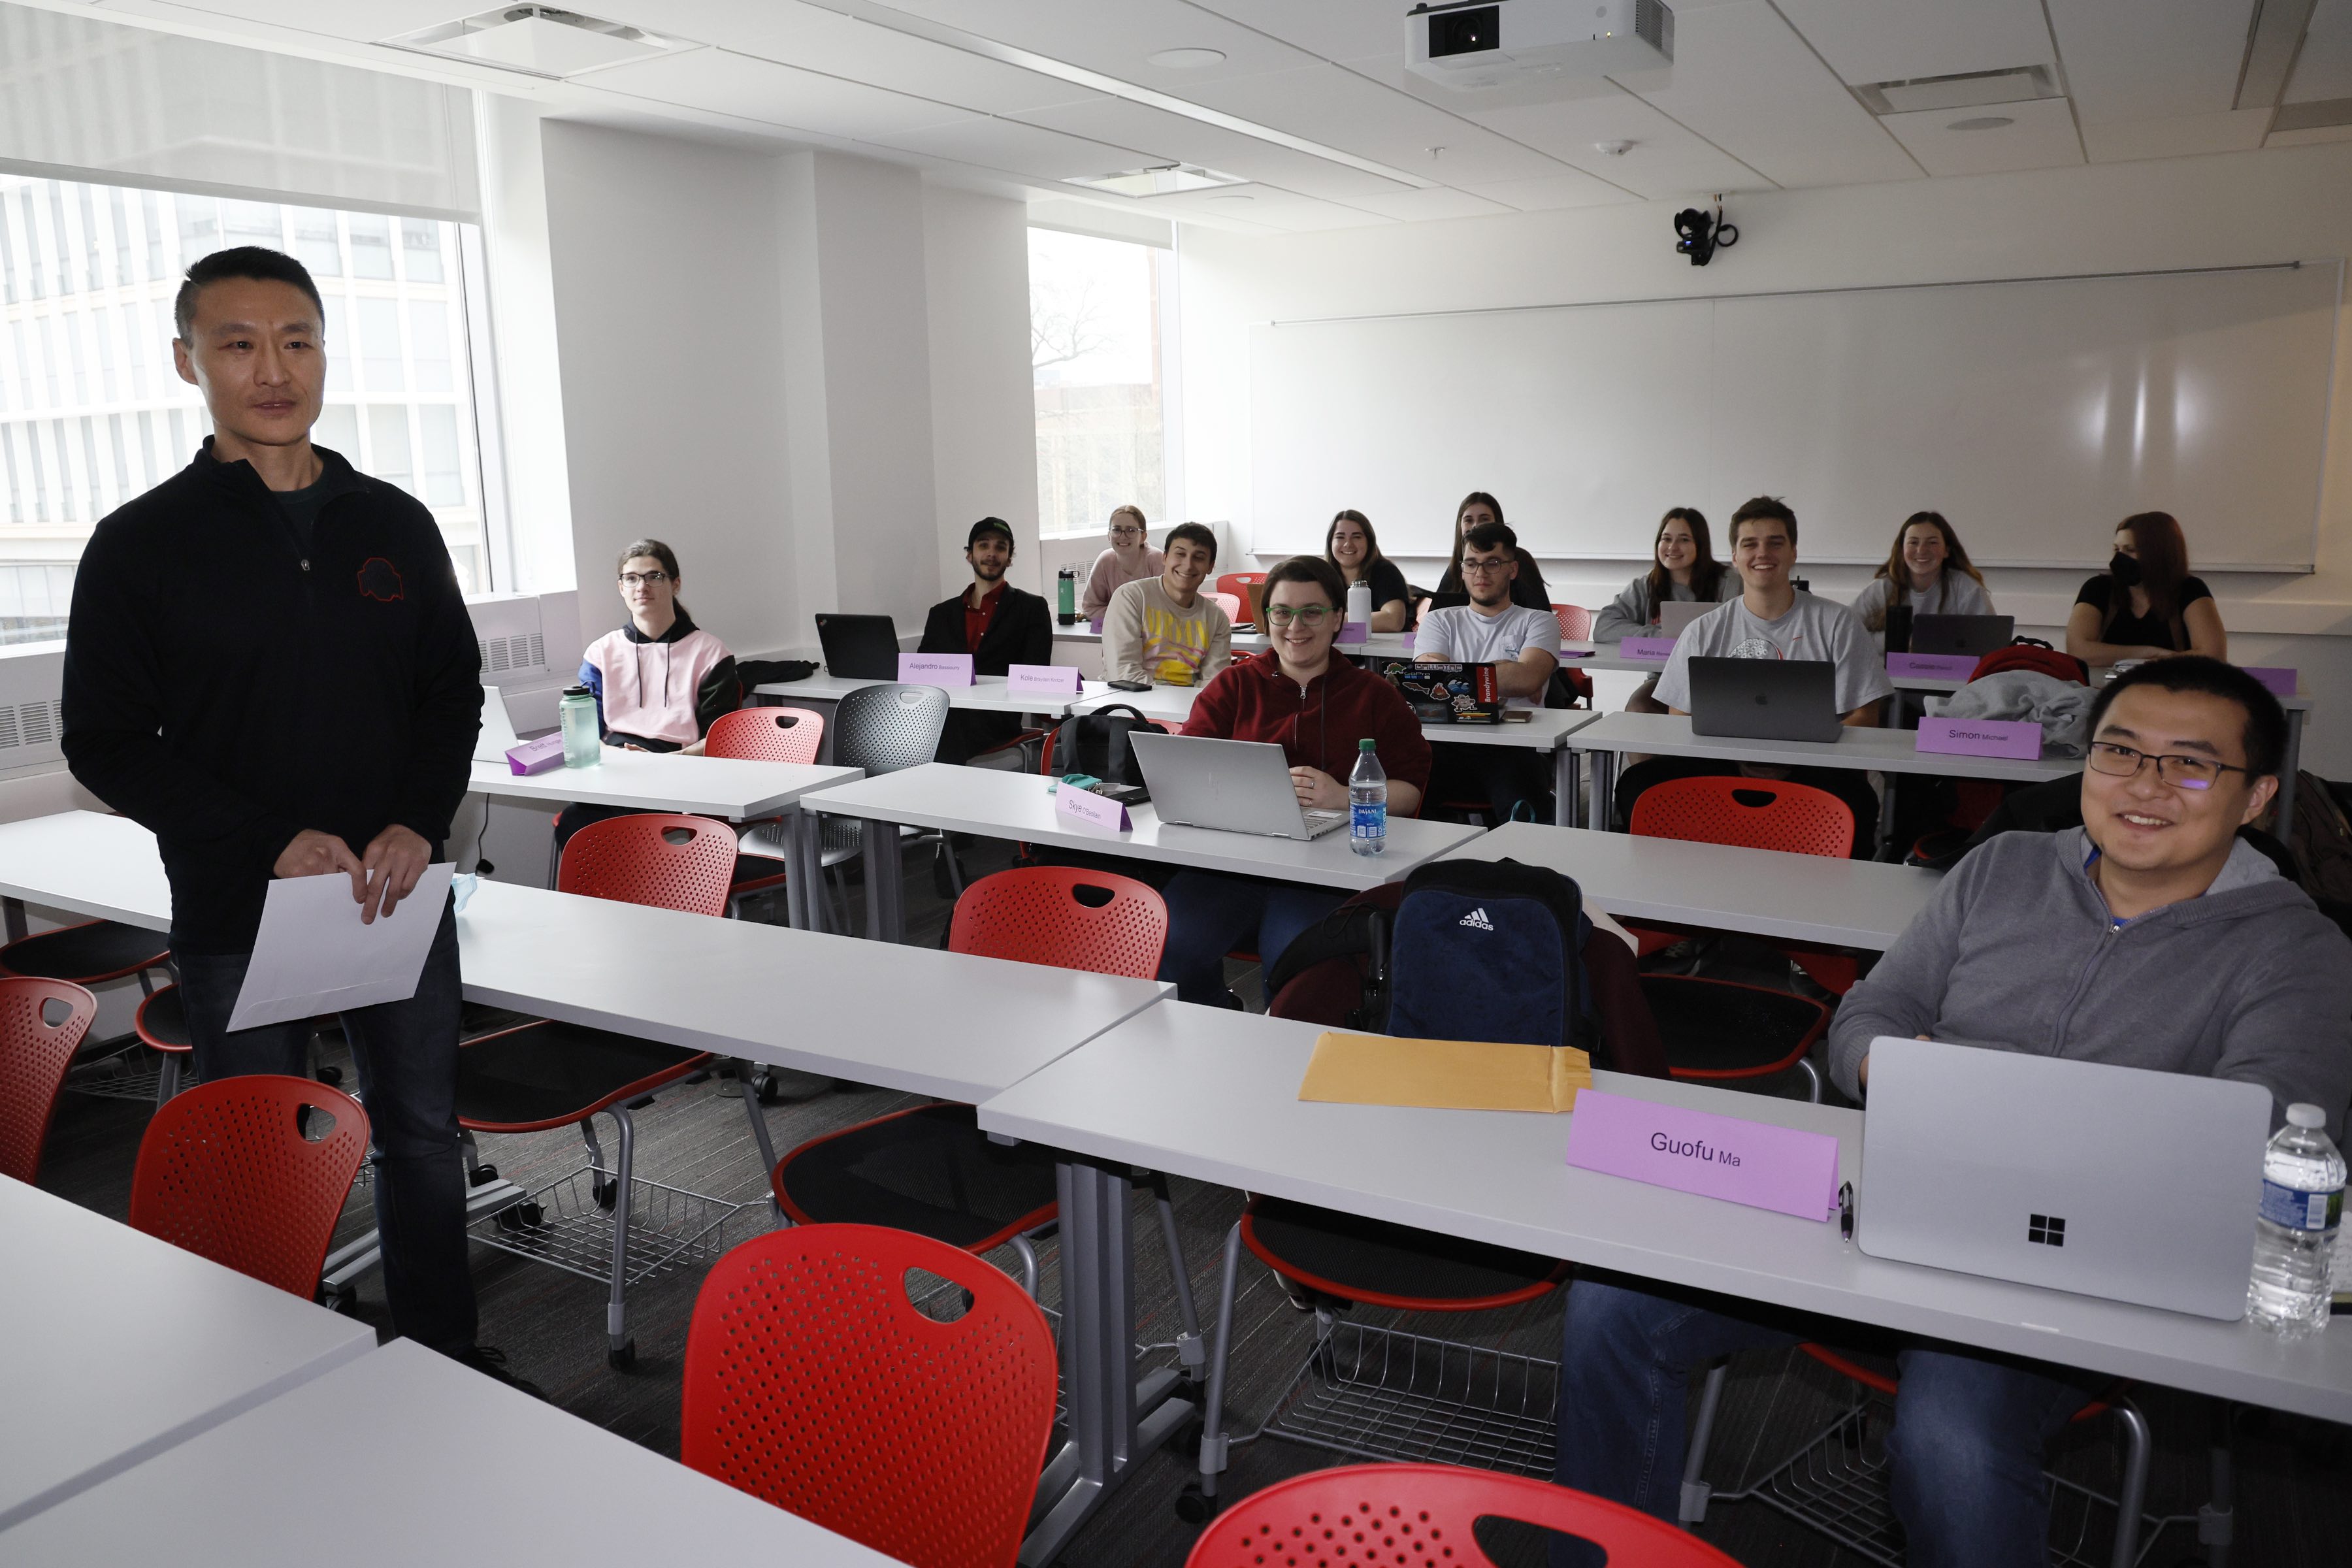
(1564, 811)
(885, 919)
(13, 912)
(1604, 788)
(795, 885)
(2285, 818)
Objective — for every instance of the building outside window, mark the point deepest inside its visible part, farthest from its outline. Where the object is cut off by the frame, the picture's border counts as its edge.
(1101, 336)
(92, 412)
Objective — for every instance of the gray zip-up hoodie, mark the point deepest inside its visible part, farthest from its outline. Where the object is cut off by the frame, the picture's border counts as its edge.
(2017, 951)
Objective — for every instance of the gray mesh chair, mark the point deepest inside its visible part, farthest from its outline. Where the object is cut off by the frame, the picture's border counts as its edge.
(883, 729)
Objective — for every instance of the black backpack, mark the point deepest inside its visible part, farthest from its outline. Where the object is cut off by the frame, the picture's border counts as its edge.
(1095, 743)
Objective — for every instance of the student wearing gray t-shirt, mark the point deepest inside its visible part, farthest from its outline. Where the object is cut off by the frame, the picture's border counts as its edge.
(1772, 619)
(1521, 643)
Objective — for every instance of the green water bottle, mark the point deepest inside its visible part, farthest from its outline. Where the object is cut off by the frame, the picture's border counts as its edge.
(1066, 591)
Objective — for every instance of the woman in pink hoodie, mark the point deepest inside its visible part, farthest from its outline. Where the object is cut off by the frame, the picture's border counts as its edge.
(1130, 556)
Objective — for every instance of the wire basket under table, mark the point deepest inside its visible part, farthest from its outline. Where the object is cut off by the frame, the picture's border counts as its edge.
(1383, 1393)
(568, 1223)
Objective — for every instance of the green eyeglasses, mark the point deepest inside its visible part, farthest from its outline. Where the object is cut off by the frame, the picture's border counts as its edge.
(1308, 616)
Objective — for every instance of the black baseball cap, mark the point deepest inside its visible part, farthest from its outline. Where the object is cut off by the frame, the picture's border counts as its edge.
(988, 525)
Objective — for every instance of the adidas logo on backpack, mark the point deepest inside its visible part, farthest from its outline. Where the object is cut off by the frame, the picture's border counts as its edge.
(1476, 920)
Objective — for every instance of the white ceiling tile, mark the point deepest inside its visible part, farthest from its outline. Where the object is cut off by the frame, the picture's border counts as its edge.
(1342, 109)
(2324, 69)
(1276, 210)
(776, 95)
(1170, 137)
(1437, 202)
(817, 39)
(1333, 29)
(1568, 190)
(1113, 38)
(363, 19)
(1013, 148)
(1666, 159)
(2179, 136)
(1896, 40)
(2041, 136)
(1743, 79)
(2151, 60)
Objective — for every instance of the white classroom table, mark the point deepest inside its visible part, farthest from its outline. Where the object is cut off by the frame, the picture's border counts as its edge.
(995, 805)
(986, 694)
(115, 1346)
(1880, 750)
(83, 863)
(729, 789)
(1545, 730)
(402, 1457)
(1214, 1095)
(1763, 892)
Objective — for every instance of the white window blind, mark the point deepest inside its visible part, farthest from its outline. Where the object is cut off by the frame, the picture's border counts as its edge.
(160, 110)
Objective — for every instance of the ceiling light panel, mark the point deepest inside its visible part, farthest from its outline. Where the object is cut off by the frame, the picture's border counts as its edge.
(1896, 40)
(540, 40)
(1974, 90)
(2039, 135)
(1159, 180)
(2151, 60)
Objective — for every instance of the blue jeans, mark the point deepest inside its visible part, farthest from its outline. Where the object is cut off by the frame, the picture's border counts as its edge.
(1966, 1450)
(1211, 913)
(407, 1058)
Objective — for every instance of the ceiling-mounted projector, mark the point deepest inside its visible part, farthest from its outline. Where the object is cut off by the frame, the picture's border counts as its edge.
(1496, 43)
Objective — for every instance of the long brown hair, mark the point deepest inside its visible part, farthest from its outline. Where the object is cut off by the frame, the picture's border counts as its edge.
(1371, 539)
(2163, 567)
(668, 559)
(1451, 582)
(1707, 572)
(1899, 574)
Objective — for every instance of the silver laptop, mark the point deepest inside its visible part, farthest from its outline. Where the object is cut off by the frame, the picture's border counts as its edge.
(1765, 699)
(1675, 615)
(2105, 1180)
(498, 732)
(1234, 786)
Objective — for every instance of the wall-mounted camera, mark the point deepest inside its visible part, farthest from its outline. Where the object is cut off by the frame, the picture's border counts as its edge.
(1699, 235)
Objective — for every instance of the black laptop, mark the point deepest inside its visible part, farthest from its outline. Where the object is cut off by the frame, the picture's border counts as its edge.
(859, 648)
(1974, 636)
(1764, 699)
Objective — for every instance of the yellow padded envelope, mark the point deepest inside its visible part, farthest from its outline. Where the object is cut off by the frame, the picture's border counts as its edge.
(1445, 1075)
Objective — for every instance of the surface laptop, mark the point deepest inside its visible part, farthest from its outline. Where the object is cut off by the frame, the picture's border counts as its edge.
(1234, 786)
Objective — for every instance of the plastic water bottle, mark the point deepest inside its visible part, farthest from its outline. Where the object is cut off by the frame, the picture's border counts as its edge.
(2295, 1241)
(1356, 626)
(1368, 816)
(576, 716)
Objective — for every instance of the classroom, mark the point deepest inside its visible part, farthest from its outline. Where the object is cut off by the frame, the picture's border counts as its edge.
(1506, 781)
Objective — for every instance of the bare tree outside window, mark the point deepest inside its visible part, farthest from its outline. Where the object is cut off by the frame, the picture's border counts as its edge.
(1096, 361)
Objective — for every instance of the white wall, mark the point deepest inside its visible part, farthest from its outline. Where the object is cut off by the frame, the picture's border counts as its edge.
(984, 418)
(2276, 205)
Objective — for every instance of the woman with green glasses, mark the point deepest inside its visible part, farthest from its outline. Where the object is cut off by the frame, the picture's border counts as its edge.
(1315, 706)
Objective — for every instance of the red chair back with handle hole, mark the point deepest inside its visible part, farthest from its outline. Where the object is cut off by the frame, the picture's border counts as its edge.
(243, 1171)
(814, 1381)
(766, 735)
(1422, 1516)
(41, 1025)
(1575, 622)
(1759, 813)
(659, 858)
(1047, 915)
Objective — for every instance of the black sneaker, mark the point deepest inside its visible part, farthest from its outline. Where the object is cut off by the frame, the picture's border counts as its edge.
(491, 1362)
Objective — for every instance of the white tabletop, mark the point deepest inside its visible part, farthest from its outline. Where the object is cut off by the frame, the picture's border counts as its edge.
(909, 1018)
(1763, 892)
(1887, 750)
(667, 781)
(1544, 729)
(986, 694)
(1210, 1094)
(87, 863)
(1017, 805)
(114, 1346)
(403, 1458)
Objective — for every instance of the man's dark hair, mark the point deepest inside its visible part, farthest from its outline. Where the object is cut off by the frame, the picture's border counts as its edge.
(1309, 569)
(986, 526)
(1764, 508)
(255, 261)
(1491, 536)
(1193, 534)
(2265, 737)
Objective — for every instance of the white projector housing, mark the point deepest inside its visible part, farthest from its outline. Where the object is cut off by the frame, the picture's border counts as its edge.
(1496, 43)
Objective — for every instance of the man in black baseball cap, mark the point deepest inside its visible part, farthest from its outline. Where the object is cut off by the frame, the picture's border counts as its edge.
(998, 624)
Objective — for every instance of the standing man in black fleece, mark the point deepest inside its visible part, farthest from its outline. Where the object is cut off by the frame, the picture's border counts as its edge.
(270, 664)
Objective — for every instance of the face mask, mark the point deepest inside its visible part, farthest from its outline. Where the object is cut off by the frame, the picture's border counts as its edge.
(2124, 569)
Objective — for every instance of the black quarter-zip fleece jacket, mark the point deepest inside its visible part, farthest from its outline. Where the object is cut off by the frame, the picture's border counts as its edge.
(228, 690)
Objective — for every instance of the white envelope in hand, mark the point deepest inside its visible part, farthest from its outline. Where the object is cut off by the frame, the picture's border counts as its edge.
(314, 956)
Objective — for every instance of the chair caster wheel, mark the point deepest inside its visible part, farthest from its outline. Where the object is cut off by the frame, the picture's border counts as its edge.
(625, 1359)
(332, 1077)
(339, 1298)
(482, 1175)
(1195, 1507)
(608, 1194)
(522, 1216)
(769, 1091)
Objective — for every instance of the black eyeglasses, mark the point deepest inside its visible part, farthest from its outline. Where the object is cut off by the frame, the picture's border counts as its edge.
(2182, 772)
(651, 579)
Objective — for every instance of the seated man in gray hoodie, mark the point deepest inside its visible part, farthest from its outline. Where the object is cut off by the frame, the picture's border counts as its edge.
(2150, 937)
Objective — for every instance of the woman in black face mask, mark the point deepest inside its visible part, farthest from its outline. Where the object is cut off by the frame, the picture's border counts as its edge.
(2146, 604)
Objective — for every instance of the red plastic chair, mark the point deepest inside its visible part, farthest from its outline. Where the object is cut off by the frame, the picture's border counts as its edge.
(161, 1025)
(1237, 584)
(229, 1172)
(34, 1056)
(1033, 914)
(813, 1380)
(640, 859)
(1575, 622)
(1232, 605)
(762, 735)
(1424, 1515)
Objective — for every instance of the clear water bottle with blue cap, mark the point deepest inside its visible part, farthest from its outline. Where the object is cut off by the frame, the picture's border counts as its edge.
(2295, 1240)
(1367, 802)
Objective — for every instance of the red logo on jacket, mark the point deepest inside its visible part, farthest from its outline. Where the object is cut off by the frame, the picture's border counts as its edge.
(379, 580)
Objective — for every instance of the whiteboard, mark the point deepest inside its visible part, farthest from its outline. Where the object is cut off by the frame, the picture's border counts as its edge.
(2034, 414)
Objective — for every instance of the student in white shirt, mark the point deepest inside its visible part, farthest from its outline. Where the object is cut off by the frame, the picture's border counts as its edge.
(1682, 569)
(1772, 619)
(1522, 643)
(1930, 570)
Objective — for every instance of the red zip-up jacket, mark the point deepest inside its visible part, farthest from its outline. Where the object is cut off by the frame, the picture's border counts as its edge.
(1319, 727)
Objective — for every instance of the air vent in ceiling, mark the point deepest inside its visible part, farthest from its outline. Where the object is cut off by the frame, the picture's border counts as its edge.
(1972, 89)
(1161, 180)
(539, 40)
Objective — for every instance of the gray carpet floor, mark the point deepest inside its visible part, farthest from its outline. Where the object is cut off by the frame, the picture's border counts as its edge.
(2294, 1476)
